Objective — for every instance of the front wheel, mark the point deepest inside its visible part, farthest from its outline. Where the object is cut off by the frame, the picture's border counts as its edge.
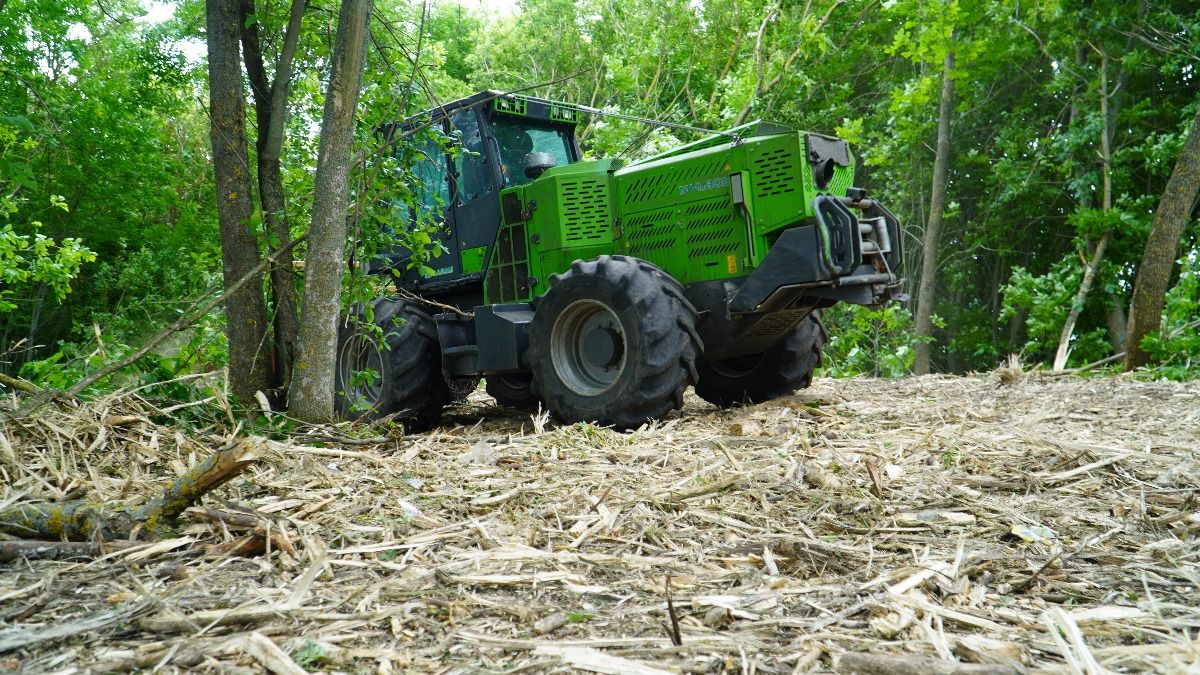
(781, 370)
(389, 364)
(613, 341)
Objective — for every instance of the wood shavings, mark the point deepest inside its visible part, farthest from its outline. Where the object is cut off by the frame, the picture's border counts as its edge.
(932, 524)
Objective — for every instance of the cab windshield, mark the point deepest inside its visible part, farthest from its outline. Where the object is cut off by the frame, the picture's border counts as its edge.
(517, 138)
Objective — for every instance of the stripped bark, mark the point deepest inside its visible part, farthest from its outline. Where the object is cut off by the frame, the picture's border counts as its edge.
(82, 520)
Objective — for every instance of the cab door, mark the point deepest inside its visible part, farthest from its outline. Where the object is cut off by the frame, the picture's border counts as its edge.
(474, 216)
(425, 161)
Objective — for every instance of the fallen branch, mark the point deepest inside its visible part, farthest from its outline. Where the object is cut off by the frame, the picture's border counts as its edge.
(1083, 369)
(59, 550)
(82, 520)
(19, 384)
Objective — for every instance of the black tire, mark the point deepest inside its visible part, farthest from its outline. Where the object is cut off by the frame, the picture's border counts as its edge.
(513, 390)
(406, 354)
(613, 341)
(780, 371)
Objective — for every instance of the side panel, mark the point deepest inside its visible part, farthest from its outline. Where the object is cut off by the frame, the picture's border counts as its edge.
(565, 215)
(679, 214)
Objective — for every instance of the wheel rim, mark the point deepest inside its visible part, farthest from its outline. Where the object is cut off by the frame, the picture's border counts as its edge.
(361, 353)
(588, 347)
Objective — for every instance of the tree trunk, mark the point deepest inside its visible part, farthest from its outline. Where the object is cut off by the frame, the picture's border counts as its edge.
(311, 394)
(1174, 210)
(270, 109)
(933, 231)
(245, 310)
(1089, 273)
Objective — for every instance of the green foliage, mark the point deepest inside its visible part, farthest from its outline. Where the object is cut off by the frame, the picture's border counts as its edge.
(864, 341)
(104, 147)
(1042, 299)
(28, 257)
(311, 655)
(37, 259)
(201, 348)
(103, 181)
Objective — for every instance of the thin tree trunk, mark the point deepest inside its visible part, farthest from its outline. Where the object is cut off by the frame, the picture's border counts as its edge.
(933, 231)
(35, 320)
(245, 310)
(311, 394)
(1085, 286)
(1174, 210)
(270, 107)
(1089, 273)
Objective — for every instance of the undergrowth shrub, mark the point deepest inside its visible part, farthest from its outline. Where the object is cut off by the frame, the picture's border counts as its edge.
(865, 341)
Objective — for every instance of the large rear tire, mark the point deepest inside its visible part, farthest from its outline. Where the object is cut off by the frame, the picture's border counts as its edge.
(393, 368)
(780, 371)
(613, 341)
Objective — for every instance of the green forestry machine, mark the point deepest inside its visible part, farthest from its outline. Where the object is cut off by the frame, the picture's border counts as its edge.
(601, 290)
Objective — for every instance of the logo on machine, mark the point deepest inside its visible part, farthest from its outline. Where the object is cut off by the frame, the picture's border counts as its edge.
(710, 184)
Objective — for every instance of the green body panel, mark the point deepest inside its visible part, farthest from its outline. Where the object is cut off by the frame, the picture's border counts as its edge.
(675, 210)
(473, 259)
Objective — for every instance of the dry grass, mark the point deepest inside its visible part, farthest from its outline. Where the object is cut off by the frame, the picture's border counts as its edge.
(1039, 525)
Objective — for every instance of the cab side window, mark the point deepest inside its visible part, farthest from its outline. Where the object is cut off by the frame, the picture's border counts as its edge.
(429, 167)
(469, 168)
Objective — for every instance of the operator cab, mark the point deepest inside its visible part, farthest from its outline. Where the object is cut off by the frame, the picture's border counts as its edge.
(502, 141)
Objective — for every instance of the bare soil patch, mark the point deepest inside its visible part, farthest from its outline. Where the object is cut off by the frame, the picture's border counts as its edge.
(1049, 524)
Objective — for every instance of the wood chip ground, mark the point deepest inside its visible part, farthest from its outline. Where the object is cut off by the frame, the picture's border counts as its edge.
(1049, 525)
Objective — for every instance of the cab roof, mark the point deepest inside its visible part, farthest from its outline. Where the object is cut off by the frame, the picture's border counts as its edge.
(502, 103)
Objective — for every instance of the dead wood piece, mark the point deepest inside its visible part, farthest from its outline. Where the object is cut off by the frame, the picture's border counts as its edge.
(220, 617)
(551, 623)
(176, 623)
(230, 518)
(58, 550)
(84, 520)
(18, 384)
(881, 664)
(250, 545)
(701, 490)
(676, 636)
